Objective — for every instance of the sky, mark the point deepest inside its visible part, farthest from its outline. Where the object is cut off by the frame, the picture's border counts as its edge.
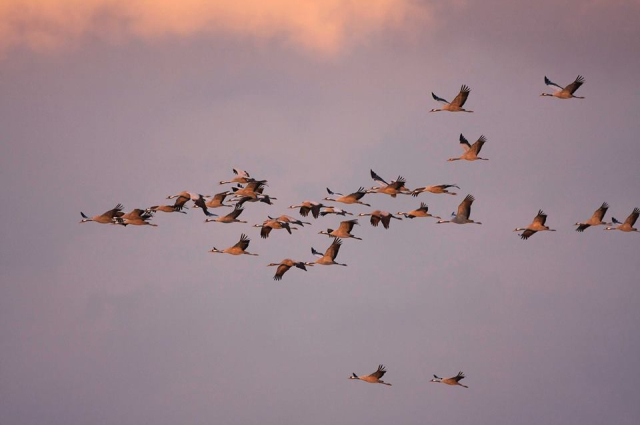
(107, 102)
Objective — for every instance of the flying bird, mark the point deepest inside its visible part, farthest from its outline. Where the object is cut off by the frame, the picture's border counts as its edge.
(455, 380)
(333, 210)
(104, 218)
(536, 226)
(378, 216)
(374, 378)
(352, 198)
(396, 186)
(344, 231)
(241, 177)
(596, 218)
(329, 257)
(309, 206)
(464, 211)
(269, 225)
(420, 212)
(471, 151)
(285, 265)
(441, 188)
(565, 92)
(627, 226)
(238, 249)
(457, 104)
(232, 217)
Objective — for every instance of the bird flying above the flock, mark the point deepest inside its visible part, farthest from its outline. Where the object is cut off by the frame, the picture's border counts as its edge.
(565, 92)
(457, 104)
(454, 380)
(464, 211)
(536, 226)
(627, 226)
(374, 378)
(104, 218)
(471, 151)
(596, 218)
(285, 265)
(241, 177)
(238, 249)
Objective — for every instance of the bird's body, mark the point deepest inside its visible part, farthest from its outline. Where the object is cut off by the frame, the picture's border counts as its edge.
(392, 189)
(344, 231)
(454, 380)
(269, 225)
(333, 210)
(290, 220)
(378, 216)
(441, 188)
(241, 177)
(184, 197)
(627, 226)
(285, 265)
(374, 378)
(565, 92)
(464, 211)
(218, 200)
(420, 212)
(137, 217)
(536, 226)
(329, 257)
(232, 217)
(104, 218)
(471, 151)
(238, 249)
(595, 220)
(166, 208)
(352, 198)
(456, 105)
(309, 207)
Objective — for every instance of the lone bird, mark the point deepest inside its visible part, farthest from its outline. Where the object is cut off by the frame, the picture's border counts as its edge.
(565, 92)
(471, 151)
(285, 265)
(374, 378)
(536, 226)
(627, 226)
(464, 211)
(241, 177)
(455, 380)
(456, 105)
(238, 249)
(595, 220)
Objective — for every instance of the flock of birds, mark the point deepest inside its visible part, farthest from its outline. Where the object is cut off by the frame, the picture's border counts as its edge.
(251, 190)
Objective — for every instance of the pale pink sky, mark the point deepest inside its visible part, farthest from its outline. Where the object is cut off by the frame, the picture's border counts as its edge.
(129, 102)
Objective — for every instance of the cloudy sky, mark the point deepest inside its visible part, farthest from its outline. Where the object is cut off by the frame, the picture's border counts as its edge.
(107, 102)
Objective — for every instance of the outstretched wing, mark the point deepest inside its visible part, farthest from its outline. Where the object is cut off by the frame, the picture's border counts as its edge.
(240, 173)
(571, 88)
(378, 179)
(464, 209)
(551, 83)
(458, 377)
(540, 218)
(464, 143)
(243, 243)
(600, 212)
(379, 373)
(461, 98)
(631, 220)
(333, 193)
(236, 212)
(282, 269)
(527, 234)
(478, 144)
(332, 251)
(316, 253)
(114, 212)
(439, 99)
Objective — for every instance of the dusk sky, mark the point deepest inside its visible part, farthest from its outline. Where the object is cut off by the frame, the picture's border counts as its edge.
(106, 102)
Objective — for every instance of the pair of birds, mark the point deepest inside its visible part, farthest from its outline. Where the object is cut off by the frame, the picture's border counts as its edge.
(137, 217)
(374, 378)
(458, 102)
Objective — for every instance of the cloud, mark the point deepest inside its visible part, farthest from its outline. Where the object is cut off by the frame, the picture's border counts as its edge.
(319, 26)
